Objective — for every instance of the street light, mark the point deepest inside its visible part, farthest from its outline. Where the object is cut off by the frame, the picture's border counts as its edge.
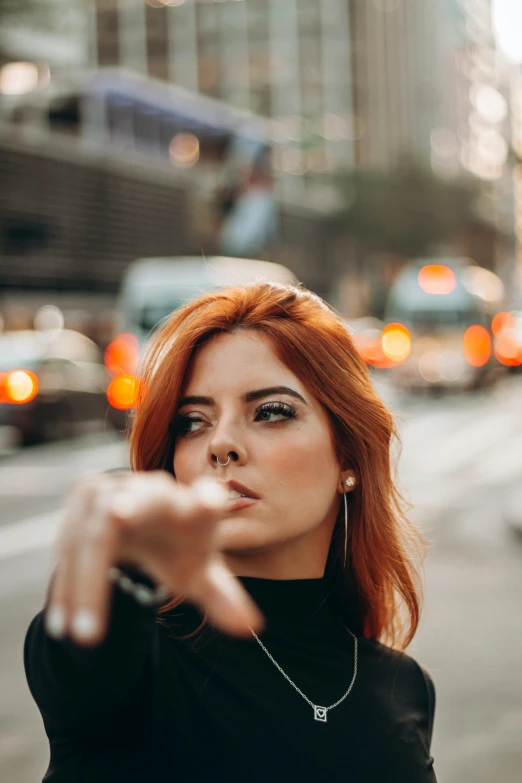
(507, 23)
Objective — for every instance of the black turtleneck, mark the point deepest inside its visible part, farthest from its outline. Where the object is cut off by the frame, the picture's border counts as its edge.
(148, 705)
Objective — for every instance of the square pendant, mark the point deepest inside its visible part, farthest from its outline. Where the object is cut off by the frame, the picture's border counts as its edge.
(320, 714)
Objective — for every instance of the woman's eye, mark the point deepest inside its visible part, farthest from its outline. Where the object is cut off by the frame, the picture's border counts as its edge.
(270, 412)
(184, 424)
(273, 411)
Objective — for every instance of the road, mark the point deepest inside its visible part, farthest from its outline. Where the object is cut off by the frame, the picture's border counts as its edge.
(461, 458)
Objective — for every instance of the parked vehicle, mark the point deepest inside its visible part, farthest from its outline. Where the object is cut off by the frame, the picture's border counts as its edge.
(50, 382)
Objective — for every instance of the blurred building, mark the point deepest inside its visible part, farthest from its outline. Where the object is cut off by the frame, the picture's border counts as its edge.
(344, 83)
(478, 142)
(50, 32)
(347, 82)
(398, 87)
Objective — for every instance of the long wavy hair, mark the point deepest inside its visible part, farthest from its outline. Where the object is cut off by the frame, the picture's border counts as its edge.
(378, 592)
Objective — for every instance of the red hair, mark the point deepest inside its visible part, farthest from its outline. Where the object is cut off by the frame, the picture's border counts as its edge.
(379, 591)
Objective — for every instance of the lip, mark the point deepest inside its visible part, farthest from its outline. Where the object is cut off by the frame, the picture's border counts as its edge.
(235, 504)
(238, 487)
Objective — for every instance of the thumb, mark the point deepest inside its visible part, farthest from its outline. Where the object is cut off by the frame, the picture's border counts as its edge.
(228, 605)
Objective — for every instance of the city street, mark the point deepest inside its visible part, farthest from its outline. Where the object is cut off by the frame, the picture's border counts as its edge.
(461, 458)
(369, 151)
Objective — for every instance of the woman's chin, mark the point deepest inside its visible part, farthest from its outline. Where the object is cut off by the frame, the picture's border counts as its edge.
(237, 533)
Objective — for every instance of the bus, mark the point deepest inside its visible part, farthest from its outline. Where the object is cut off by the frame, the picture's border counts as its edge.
(102, 167)
(117, 109)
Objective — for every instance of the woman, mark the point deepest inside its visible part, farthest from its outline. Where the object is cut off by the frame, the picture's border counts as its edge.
(261, 499)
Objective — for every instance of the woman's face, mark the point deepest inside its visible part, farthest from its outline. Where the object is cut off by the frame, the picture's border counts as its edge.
(240, 400)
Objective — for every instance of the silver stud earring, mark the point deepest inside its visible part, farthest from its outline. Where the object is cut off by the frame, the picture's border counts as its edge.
(350, 481)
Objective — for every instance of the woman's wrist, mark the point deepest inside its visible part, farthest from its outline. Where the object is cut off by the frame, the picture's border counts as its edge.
(136, 583)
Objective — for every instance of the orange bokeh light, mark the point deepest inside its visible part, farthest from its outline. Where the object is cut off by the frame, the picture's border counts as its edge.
(122, 355)
(508, 350)
(374, 355)
(477, 345)
(437, 279)
(396, 342)
(501, 322)
(369, 348)
(18, 387)
(123, 391)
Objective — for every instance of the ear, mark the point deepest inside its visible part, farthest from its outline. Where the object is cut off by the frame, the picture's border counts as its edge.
(347, 482)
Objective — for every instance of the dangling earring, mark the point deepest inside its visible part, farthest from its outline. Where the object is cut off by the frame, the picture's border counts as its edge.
(345, 527)
(350, 481)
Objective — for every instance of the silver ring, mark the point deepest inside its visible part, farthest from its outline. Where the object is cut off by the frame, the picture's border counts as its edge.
(223, 464)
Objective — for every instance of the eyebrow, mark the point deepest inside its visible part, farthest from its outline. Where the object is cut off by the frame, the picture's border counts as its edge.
(251, 396)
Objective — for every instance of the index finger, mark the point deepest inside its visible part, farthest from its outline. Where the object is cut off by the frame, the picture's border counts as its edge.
(80, 593)
(141, 501)
(91, 588)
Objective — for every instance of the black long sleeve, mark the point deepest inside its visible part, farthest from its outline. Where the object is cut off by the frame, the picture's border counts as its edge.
(157, 702)
(82, 688)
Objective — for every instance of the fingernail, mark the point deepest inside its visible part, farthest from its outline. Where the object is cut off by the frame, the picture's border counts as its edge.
(244, 604)
(248, 622)
(254, 618)
(84, 625)
(55, 622)
(210, 492)
(258, 624)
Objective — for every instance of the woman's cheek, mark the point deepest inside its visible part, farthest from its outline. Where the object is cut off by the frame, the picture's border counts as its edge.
(187, 464)
(292, 465)
(301, 447)
(285, 460)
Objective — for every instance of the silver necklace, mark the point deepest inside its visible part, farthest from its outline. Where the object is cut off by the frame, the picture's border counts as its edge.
(320, 713)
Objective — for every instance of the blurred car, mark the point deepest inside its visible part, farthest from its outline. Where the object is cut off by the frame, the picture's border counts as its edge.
(366, 334)
(153, 288)
(439, 330)
(507, 328)
(50, 382)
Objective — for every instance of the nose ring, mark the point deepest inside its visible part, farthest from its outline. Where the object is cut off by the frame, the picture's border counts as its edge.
(223, 464)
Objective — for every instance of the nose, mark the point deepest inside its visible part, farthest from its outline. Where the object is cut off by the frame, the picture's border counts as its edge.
(225, 448)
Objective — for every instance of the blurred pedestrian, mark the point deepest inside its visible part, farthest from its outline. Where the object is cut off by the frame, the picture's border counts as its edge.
(251, 223)
(262, 502)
